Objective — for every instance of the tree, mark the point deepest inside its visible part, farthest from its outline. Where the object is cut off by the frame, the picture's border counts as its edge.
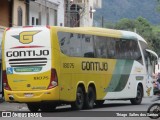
(143, 28)
(125, 24)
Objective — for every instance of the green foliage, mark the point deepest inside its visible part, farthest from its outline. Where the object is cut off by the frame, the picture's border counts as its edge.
(149, 32)
(114, 10)
(125, 24)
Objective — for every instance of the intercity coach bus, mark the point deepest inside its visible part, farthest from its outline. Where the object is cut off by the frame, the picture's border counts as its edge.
(47, 66)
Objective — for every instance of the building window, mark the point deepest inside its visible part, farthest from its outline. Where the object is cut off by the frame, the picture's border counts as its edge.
(39, 18)
(32, 20)
(55, 17)
(20, 15)
(37, 21)
(48, 17)
(91, 13)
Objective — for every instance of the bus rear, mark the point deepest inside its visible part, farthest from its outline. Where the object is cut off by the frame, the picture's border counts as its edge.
(27, 72)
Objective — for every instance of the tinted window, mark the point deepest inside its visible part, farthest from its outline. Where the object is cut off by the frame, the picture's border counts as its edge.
(82, 45)
(76, 45)
(105, 47)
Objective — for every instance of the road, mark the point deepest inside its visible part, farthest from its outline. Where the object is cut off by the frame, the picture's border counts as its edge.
(117, 108)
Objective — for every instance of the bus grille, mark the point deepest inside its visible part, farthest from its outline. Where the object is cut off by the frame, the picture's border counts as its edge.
(26, 62)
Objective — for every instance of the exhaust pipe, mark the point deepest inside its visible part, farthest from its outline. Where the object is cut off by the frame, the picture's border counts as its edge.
(11, 98)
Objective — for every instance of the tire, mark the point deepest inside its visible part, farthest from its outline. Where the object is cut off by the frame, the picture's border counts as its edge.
(154, 109)
(138, 99)
(90, 98)
(99, 103)
(79, 103)
(47, 107)
(33, 107)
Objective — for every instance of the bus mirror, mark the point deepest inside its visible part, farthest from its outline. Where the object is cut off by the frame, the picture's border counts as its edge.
(89, 55)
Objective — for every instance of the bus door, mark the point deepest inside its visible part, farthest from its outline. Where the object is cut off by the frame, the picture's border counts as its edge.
(151, 59)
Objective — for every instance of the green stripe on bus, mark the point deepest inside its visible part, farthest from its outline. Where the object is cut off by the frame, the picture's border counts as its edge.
(125, 75)
(120, 75)
(116, 75)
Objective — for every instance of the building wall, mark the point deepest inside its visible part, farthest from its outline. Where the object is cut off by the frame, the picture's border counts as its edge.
(34, 9)
(48, 12)
(4, 13)
(97, 3)
(86, 13)
(16, 5)
(61, 13)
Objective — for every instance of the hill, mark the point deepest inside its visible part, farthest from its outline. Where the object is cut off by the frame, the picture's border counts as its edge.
(114, 10)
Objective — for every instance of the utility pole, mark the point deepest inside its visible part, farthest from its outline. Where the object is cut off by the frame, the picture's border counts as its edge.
(68, 14)
(102, 21)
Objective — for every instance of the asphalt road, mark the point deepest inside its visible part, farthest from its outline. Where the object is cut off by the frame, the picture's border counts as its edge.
(110, 108)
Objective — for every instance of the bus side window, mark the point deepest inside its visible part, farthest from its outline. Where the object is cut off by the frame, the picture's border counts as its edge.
(87, 46)
(70, 43)
(64, 41)
(100, 47)
(111, 44)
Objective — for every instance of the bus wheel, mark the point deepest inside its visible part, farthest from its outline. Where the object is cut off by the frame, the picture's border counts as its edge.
(47, 107)
(78, 104)
(90, 98)
(138, 99)
(33, 107)
(99, 103)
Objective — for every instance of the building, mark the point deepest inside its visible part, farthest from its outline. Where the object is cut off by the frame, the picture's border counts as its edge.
(19, 13)
(80, 12)
(46, 12)
(13, 12)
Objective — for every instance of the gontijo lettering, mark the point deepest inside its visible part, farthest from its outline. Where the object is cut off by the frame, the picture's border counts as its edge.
(94, 66)
(27, 53)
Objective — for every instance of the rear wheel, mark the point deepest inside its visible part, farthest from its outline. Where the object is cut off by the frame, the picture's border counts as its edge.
(138, 99)
(99, 103)
(78, 104)
(90, 98)
(47, 107)
(33, 107)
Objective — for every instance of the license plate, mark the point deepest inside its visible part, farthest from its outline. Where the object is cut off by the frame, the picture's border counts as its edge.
(28, 94)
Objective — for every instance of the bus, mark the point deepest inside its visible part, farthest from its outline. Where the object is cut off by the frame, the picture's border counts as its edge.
(47, 66)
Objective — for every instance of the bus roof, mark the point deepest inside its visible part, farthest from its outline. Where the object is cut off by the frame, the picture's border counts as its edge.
(123, 33)
(106, 32)
(97, 31)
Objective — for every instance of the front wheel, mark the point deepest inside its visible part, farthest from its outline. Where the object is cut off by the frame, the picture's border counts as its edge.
(138, 99)
(154, 111)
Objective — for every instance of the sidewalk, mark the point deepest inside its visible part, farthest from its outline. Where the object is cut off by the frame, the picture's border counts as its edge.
(6, 106)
